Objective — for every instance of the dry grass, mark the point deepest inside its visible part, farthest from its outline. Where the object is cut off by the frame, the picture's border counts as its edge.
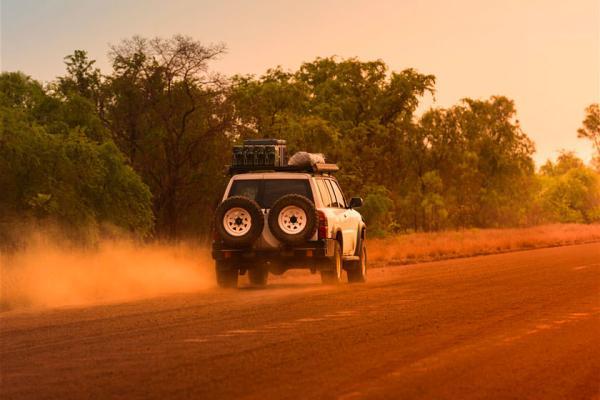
(405, 249)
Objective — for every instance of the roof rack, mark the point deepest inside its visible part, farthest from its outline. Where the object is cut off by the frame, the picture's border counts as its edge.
(320, 168)
(325, 168)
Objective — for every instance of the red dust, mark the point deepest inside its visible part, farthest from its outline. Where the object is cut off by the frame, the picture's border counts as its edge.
(49, 275)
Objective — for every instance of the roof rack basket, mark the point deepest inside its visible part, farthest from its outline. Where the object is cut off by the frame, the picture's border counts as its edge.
(320, 168)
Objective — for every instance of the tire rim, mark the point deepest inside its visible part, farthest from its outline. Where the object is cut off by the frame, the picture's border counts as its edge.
(237, 222)
(292, 220)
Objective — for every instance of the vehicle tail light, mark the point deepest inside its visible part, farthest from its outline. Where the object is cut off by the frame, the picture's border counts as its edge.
(322, 225)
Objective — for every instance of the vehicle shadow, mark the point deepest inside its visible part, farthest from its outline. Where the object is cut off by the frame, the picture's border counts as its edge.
(278, 286)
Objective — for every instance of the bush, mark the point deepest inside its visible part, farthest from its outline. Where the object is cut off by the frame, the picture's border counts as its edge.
(63, 177)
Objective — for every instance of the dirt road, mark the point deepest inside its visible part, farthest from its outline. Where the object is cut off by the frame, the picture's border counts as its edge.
(518, 325)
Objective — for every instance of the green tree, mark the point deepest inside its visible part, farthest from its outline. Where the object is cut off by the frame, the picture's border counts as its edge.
(376, 210)
(60, 175)
(432, 203)
(164, 113)
(169, 115)
(355, 112)
(591, 130)
(483, 159)
(82, 77)
(591, 125)
(469, 165)
(570, 191)
(566, 161)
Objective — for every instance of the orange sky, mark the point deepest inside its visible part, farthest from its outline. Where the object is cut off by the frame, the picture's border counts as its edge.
(543, 54)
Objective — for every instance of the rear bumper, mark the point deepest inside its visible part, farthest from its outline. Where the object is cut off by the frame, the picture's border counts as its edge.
(290, 255)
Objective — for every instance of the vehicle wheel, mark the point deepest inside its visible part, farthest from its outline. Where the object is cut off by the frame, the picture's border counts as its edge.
(357, 270)
(293, 219)
(239, 221)
(333, 274)
(258, 276)
(227, 275)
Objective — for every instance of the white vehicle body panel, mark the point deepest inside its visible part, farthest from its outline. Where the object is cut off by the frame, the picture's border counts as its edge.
(341, 220)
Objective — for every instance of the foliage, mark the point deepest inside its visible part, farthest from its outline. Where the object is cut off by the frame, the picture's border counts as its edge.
(591, 125)
(376, 210)
(50, 169)
(91, 147)
(570, 191)
(591, 130)
(169, 116)
(452, 168)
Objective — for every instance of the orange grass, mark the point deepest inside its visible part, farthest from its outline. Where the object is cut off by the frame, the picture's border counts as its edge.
(410, 248)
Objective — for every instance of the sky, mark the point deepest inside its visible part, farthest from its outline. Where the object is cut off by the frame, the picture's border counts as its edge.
(545, 55)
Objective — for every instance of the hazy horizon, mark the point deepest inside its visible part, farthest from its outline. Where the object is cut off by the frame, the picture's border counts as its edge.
(543, 55)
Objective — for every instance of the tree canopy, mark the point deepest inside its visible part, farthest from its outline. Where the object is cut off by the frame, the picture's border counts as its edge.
(51, 170)
(144, 147)
(590, 130)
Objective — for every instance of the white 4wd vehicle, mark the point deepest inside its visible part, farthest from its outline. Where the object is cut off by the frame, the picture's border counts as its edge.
(288, 217)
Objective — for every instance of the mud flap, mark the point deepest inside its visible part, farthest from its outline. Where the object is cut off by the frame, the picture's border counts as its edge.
(353, 262)
(330, 247)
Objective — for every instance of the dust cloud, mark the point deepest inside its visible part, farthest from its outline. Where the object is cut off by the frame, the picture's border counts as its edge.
(46, 274)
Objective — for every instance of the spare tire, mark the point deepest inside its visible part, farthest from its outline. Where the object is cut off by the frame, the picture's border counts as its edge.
(293, 219)
(239, 221)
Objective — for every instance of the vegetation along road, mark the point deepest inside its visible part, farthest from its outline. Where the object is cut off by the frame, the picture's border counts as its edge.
(517, 325)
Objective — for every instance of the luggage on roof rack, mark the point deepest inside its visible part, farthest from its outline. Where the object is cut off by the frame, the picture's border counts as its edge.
(260, 153)
(321, 168)
(264, 142)
(271, 155)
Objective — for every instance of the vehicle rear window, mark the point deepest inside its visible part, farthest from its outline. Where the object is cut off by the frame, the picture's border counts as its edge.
(245, 188)
(267, 191)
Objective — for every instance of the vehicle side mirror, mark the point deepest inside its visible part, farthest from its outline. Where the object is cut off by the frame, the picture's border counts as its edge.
(356, 202)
